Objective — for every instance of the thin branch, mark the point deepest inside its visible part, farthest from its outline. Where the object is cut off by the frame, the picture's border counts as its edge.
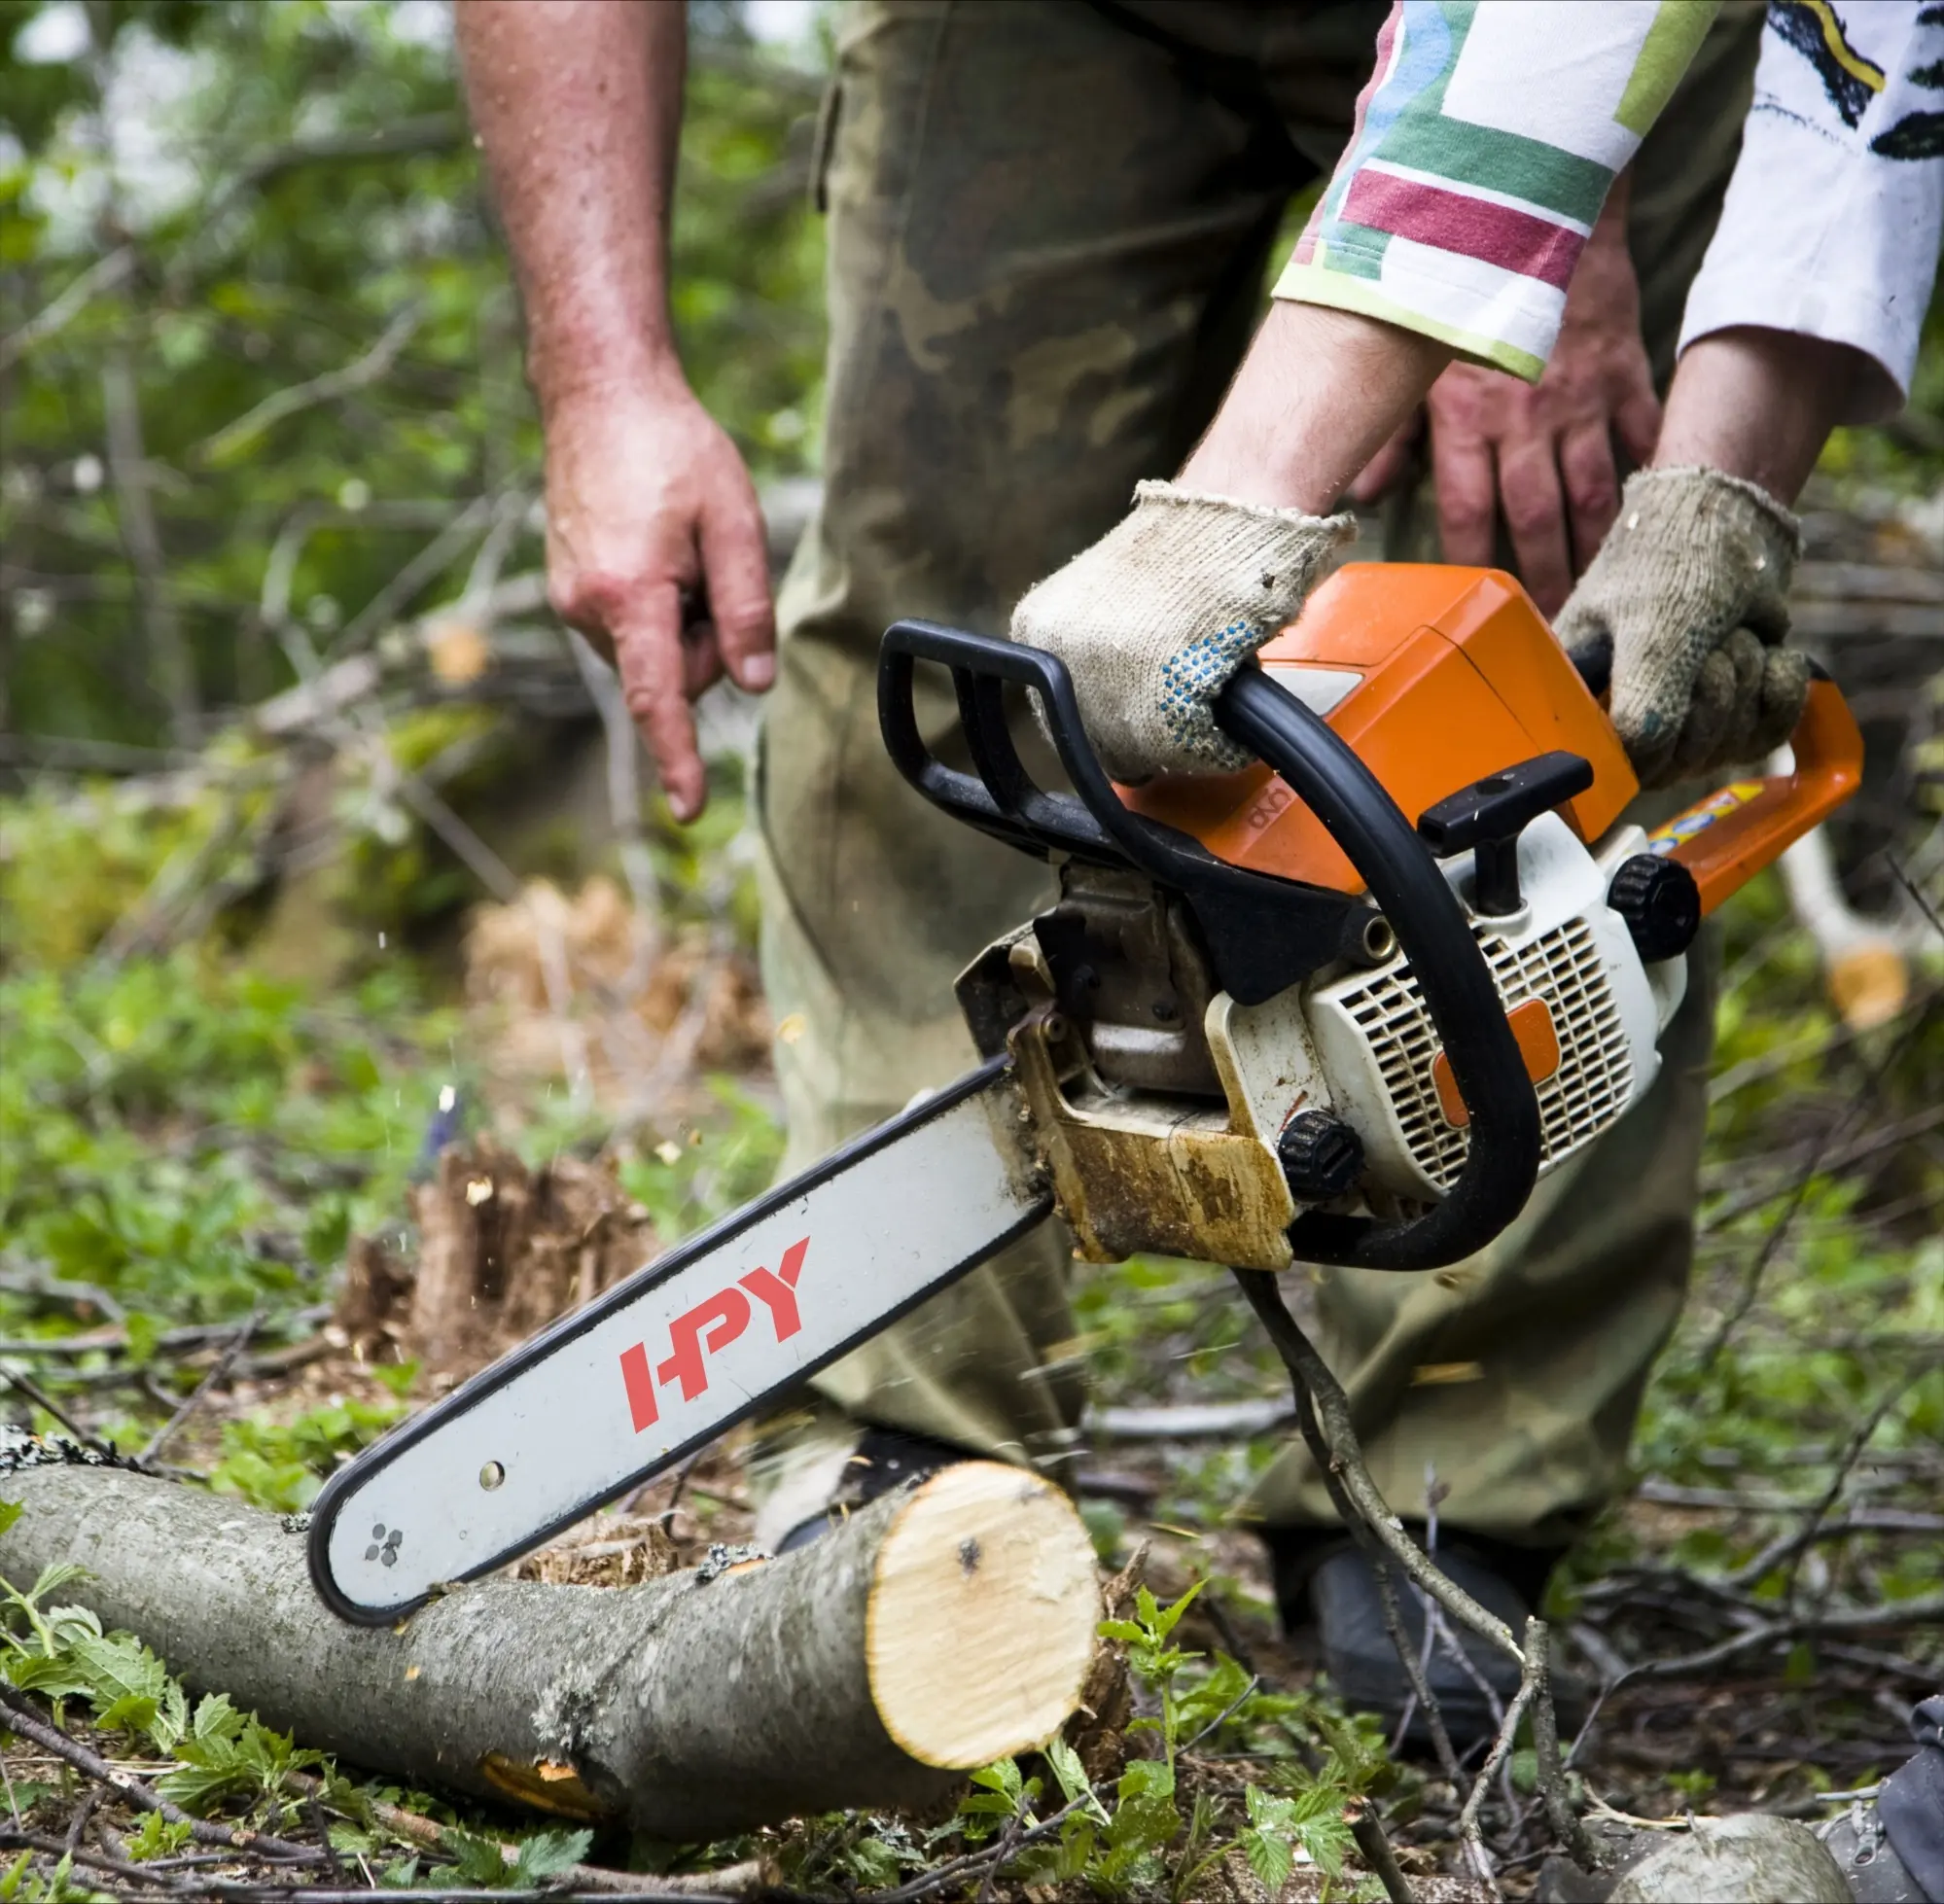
(1367, 1542)
(978, 1860)
(15, 1838)
(219, 1369)
(15, 1716)
(426, 566)
(1323, 1410)
(33, 1392)
(107, 273)
(234, 438)
(1346, 1459)
(744, 1879)
(618, 733)
(1374, 1845)
(136, 517)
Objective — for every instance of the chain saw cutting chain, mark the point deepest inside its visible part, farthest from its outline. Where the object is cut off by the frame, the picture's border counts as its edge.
(1343, 1007)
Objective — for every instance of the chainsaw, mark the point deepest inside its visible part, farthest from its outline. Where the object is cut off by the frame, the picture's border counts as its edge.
(1345, 1006)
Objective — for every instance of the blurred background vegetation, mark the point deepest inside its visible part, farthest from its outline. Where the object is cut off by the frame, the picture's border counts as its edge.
(261, 361)
(277, 685)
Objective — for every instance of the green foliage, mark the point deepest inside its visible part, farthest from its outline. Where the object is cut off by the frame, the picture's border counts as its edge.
(281, 1467)
(227, 1754)
(157, 1837)
(306, 194)
(61, 1652)
(481, 1862)
(20, 1886)
(197, 1141)
(1135, 1839)
(1846, 1302)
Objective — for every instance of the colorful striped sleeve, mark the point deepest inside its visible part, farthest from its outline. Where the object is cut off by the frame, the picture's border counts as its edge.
(1482, 150)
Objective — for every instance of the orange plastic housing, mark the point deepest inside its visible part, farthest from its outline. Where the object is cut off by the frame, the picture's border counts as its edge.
(1460, 677)
(1730, 836)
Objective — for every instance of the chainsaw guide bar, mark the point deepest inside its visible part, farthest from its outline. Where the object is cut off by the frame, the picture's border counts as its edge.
(704, 1337)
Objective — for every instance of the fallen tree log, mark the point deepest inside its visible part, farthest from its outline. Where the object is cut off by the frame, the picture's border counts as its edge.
(937, 1629)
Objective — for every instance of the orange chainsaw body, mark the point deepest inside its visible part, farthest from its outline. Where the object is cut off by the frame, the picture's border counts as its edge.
(1439, 676)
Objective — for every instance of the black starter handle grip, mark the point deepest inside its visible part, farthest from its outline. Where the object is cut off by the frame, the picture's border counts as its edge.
(1252, 919)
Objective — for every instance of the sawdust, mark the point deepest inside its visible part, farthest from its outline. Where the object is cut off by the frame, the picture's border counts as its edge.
(607, 1553)
(585, 984)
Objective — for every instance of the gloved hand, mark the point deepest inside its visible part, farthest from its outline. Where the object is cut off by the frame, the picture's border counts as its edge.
(1689, 596)
(1156, 617)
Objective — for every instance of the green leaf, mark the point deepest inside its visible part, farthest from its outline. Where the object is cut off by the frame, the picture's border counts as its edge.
(197, 1786)
(10, 1513)
(134, 1712)
(1001, 1776)
(217, 1720)
(171, 1718)
(475, 1860)
(53, 1576)
(120, 1668)
(550, 1854)
(53, 1675)
(1071, 1776)
(1148, 1778)
(1168, 1618)
(1271, 1857)
(158, 1837)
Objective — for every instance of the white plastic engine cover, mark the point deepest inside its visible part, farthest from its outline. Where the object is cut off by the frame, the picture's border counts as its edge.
(1565, 948)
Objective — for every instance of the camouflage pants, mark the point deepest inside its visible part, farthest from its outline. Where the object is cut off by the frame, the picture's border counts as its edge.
(1050, 222)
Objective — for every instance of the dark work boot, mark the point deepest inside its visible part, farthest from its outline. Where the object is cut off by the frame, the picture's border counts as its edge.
(885, 1459)
(1328, 1581)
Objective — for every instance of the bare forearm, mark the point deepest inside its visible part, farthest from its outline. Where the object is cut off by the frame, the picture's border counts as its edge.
(1315, 398)
(578, 104)
(1757, 405)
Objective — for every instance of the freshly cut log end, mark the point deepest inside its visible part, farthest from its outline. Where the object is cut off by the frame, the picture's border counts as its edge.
(980, 1623)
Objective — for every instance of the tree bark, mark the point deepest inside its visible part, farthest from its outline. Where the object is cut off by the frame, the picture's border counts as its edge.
(936, 1630)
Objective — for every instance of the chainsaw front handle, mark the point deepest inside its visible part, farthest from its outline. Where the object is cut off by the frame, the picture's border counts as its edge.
(1453, 978)
(1263, 931)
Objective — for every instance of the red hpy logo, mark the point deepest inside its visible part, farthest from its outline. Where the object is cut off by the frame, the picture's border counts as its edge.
(709, 1328)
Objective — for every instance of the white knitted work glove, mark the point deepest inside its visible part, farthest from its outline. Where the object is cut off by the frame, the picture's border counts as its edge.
(1689, 594)
(1156, 617)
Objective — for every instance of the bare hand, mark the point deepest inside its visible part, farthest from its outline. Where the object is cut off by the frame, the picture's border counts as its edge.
(1542, 453)
(651, 521)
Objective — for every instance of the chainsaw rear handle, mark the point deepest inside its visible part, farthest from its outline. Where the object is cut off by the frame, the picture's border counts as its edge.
(1725, 839)
(1501, 1164)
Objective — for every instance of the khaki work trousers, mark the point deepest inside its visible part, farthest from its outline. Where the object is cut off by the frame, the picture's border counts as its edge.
(1050, 224)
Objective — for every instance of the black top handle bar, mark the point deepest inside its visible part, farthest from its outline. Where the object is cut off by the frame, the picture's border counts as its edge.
(1263, 931)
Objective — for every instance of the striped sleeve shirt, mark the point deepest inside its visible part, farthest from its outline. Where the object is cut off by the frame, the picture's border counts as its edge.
(1482, 150)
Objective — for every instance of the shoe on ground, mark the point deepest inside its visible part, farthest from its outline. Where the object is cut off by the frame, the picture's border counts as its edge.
(1892, 1850)
(1329, 1583)
(884, 1459)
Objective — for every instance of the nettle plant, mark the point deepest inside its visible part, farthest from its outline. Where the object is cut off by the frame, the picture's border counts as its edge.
(1162, 1826)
